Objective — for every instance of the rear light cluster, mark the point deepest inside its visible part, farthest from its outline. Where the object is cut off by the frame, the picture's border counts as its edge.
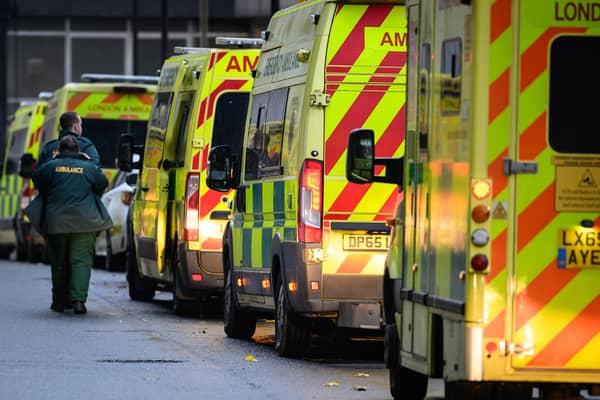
(192, 207)
(481, 191)
(310, 199)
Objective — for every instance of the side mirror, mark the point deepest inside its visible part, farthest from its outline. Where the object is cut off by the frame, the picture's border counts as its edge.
(26, 166)
(219, 175)
(125, 156)
(360, 159)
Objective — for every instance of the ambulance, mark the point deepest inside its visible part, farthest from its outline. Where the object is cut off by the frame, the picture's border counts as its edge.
(109, 105)
(303, 243)
(177, 221)
(24, 134)
(493, 280)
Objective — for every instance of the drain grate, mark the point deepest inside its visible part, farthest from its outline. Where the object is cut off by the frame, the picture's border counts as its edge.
(125, 361)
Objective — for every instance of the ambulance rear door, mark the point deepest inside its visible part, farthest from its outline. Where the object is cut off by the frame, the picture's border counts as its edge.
(366, 85)
(554, 165)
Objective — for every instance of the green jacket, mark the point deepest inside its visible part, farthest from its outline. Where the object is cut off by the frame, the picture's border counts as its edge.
(72, 186)
(86, 146)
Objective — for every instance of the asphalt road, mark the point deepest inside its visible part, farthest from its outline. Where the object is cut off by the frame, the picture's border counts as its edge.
(123, 349)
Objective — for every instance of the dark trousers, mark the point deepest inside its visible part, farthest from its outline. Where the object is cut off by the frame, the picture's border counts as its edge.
(71, 258)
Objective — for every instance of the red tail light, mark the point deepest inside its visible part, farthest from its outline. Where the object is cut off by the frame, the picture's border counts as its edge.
(192, 209)
(310, 202)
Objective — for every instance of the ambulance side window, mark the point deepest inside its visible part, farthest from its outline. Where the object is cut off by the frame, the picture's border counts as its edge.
(256, 140)
(155, 140)
(424, 91)
(574, 90)
(230, 121)
(274, 126)
(450, 77)
(185, 103)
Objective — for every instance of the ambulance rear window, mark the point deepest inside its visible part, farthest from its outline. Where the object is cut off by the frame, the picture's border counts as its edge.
(574, 92)
(105, 135)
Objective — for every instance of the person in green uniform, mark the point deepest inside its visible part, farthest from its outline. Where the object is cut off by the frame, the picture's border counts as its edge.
(72, 185)
(70, 125)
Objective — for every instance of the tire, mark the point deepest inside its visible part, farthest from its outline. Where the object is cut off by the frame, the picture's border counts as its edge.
(292, 339)
(407, 384)
(139, 288)
(237, 323)
(114, 262)
(182, 306)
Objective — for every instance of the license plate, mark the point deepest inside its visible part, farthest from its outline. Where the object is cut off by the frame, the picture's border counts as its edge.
(579, 248)
(366, 242)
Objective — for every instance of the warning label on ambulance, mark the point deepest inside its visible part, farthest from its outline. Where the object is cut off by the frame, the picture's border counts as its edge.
(577, 184)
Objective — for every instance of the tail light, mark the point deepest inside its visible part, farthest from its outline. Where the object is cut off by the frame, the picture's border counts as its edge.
(126, 198)
(192, 207)
(481, 192)
(310, 200)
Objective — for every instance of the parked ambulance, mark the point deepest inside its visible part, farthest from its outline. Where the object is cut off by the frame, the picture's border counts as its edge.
(303, 243)
(493, 280)
(109, 105)
(177, 221)
(24, 134)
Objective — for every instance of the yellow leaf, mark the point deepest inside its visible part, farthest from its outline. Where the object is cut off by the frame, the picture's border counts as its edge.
(333, 383)
(250, 358)
(361, 375)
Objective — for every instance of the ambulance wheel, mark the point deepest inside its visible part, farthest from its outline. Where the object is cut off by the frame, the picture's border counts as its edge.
(291, 337)
(113, 262)
(139, 288)
(407, 384)
(237, 323)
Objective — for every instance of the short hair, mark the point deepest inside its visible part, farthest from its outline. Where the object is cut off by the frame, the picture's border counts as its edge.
(68, 120)
(68, 144)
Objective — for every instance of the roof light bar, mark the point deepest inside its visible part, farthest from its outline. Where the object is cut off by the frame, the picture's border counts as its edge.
(45, 95)
(115, 78)
(238, 41)
(187, 50)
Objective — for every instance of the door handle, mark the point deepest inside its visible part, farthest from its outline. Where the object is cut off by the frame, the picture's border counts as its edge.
(144, 188)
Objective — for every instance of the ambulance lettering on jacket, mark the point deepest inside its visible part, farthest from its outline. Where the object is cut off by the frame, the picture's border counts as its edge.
(577, 11)
(69, 170)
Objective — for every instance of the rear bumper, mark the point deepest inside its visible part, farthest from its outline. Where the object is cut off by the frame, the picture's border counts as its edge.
(358, 298)
(201, 272)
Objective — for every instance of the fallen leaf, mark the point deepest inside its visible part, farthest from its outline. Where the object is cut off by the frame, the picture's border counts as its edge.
(333, 383)
(361, 375)
(250, 358)
(360, 388)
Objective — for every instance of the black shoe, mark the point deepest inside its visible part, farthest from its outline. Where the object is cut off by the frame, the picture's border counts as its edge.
(79, 307)
(57, 307)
